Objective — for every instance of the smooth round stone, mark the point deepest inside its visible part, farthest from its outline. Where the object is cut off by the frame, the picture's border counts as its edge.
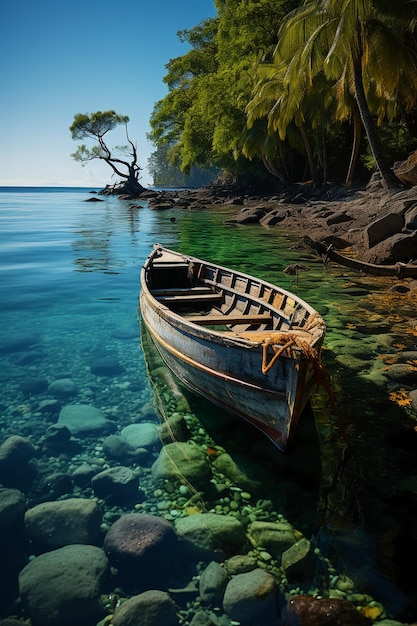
(143, 435)
(62, 387)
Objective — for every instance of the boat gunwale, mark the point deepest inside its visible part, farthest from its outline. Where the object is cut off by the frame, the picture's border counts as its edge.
(226, 337)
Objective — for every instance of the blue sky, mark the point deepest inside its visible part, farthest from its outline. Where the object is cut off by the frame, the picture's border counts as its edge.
(60, 58)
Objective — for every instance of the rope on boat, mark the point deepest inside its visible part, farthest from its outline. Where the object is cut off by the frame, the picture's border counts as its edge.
(283, 342)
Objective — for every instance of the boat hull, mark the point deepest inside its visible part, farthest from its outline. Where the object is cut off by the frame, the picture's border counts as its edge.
(228, 371)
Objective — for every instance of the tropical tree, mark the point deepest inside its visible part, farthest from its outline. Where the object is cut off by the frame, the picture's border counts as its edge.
(95, 127)
(203, 116)
(366, 48)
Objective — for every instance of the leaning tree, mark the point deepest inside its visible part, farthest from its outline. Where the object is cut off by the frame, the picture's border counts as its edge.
(96, 126)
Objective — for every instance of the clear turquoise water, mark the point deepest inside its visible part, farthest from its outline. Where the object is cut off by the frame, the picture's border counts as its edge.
(70, 278)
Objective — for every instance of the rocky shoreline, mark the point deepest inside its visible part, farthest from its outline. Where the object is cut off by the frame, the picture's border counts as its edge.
(368, 222)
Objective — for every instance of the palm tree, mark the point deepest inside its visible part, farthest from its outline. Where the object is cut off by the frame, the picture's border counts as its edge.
(367, 52)
(281, 106)
(373, 48)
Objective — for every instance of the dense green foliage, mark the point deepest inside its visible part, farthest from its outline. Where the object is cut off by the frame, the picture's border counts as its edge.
(166, 175)
(293, 90)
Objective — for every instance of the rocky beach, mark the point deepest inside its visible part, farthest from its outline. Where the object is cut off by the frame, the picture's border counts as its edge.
(370, 223)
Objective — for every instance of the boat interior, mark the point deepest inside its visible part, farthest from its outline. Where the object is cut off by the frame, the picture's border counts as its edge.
(221, 299)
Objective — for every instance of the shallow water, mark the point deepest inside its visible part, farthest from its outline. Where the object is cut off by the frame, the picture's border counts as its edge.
(70, 281)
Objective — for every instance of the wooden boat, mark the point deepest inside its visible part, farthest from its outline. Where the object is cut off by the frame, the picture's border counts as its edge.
(243, 343)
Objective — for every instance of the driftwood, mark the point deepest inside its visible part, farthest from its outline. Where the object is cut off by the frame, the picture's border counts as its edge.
(400, 270)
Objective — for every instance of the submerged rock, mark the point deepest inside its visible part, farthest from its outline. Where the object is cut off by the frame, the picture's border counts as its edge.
(299, 562)
(63, 587)
(275, 537)
(16, 461)
(213, 581)
(117, 447)
(57, 524)
(306, 610)
(82, 418)
(116, 483)
(144, 549)
(209, 531)
(185, 460)
(143, 435)
(250, 598)
(150, 608)
(62, 388)
(12, 510)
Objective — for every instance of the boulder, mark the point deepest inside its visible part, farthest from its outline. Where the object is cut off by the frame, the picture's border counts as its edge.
(248, 216)
(63, 587)
(406, 170)
(58, 439)
(119, 484)
(62, 388)
(241, 472)
(144, 549)
(402, 373)
(83, 474)
(57, 524)
(183, 459)
(213, 581)
(150, 608)
(251, 598)
(299, 561)
(275, 537)
(400, 247)
(404, 247)
(143, 435)
(83, 418)
(116, 447)
(239, 564)
(203, 618)
(274, 217)
(212, 532)
(14, 545)
(410, 218)
(174, 429)
(383, 228)
(54, 485)
(306, 610)
(16, 455)
(12, 510)
(338, 218)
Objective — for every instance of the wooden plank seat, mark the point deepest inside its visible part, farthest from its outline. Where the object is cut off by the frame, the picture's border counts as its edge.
(169, 265)
(181, 291)
(232, 318)
(191, 298)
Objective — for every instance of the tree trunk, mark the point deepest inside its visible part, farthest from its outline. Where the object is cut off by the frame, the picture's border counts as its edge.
(357, 133)
(388, 177)
(309, 153)
(131, 185)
